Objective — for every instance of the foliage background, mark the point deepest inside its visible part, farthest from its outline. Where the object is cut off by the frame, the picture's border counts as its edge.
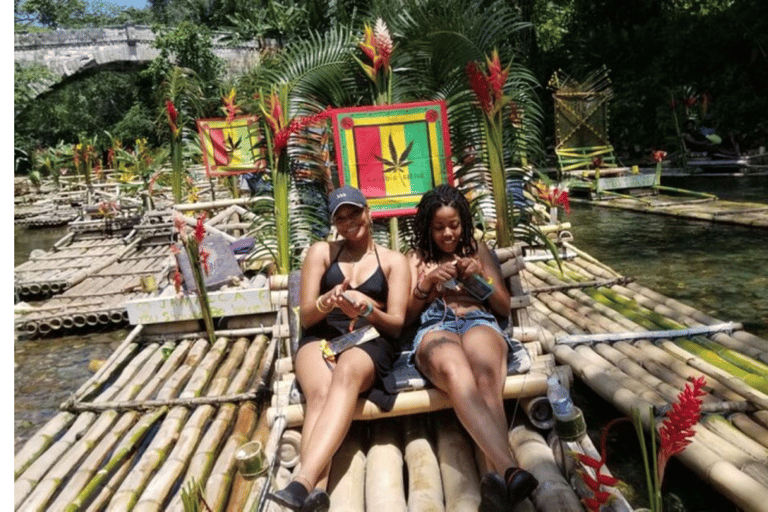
(655, 50)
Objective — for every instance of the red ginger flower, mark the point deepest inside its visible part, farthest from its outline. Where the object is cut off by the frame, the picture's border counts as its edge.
(173, 115)
(658, 156)
(200, 228)
(677, 429)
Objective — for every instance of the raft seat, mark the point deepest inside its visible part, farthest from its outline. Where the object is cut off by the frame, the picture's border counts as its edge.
(527, 368)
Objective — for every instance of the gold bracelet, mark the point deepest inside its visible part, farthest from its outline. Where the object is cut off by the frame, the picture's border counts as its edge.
(320, 307)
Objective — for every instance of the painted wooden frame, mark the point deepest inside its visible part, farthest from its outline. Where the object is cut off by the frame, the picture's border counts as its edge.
(232, 147)
(393, 153)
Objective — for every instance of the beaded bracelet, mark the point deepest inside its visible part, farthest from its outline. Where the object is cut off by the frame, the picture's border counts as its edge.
(320, 307)
(368, 311)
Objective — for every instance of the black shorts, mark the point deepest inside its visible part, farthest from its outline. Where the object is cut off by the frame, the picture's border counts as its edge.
(380, 350)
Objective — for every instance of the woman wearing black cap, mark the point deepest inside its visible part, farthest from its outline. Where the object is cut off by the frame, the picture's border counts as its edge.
(345, 284)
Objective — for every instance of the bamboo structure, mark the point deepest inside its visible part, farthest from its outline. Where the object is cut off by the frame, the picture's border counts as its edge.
(710, 210)
(635, 348)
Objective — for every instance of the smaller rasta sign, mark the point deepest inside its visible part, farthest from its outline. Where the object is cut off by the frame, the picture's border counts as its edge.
(231, 147)
(393, 153)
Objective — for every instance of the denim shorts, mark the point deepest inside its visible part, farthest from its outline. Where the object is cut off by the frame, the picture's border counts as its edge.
(439, 317)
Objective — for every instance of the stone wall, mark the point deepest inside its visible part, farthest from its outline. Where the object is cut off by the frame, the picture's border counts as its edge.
(67, 52)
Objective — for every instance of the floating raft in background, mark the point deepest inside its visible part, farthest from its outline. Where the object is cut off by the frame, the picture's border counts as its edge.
(708, 209)
(591, 321)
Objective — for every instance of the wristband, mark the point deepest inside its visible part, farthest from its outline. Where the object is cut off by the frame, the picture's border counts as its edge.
(320, 307)
(419, 293)
(367, 311)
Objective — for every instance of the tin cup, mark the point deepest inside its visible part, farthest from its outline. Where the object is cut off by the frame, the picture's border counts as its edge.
(250, 459)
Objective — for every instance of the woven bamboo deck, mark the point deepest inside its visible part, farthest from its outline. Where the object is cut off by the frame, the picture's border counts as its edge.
(704, 209)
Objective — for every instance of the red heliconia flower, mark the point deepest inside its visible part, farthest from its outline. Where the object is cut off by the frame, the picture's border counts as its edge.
(173, 115)
(497, 76)
(690, 101)
(489, 88)
(591, 504)
(659, 155)
(200, 228)
(677, 429)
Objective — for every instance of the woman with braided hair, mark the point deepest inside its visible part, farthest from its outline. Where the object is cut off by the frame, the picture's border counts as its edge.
(459, 345)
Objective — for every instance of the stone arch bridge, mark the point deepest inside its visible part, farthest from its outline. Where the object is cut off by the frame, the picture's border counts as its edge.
(69, 52)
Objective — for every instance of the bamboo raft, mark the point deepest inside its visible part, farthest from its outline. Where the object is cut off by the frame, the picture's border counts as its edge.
(708, 209)
(169, 410)
(635, 348)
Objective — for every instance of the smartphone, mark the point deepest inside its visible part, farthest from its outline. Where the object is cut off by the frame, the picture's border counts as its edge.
(346, 297)
(478, 286)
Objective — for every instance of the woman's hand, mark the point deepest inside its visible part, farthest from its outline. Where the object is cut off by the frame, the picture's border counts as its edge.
(439, 274)
(354, 304)
(469, 266)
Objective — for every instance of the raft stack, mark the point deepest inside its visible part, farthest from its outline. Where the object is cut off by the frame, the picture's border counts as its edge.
(636, 348)
(161, 413)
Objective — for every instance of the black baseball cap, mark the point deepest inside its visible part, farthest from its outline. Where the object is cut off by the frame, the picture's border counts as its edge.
(345, 195)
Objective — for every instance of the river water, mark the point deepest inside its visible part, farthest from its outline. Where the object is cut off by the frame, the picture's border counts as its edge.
(719, 269)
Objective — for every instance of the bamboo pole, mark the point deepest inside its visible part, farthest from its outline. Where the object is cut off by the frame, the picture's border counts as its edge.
(347, 474)
(247, 421)
(534, 455)
(724, 429)
(425, 491)
(728, 380)
(748, 426)
(29, 479)
(384, 485)
(126, 448)
(159, 487)
(129, 492)
(118, 358)
(83, 448)
(461, 483)
(40, 441)
(422, 400)
(212, 463)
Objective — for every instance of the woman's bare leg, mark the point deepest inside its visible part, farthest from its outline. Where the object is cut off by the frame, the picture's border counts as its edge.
(442, 358)
(353, 374)
(487, 354)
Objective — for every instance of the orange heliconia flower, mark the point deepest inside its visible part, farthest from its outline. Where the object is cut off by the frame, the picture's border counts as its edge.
(230, 107)
(377, 46)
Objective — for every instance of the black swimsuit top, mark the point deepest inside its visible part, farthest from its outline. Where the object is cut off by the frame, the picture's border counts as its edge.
(375, 287)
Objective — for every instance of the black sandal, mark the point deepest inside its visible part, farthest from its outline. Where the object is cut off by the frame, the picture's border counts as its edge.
(493, 494)
(317, 501)
(520, 484)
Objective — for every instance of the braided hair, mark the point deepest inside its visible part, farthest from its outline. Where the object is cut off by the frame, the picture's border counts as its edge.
(433, 200)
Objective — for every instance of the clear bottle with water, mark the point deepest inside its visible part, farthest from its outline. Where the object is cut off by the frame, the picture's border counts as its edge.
(569, 420)
(559, 399)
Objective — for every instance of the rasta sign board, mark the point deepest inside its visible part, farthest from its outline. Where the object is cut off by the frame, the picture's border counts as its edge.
(231, 147)
(393, 153)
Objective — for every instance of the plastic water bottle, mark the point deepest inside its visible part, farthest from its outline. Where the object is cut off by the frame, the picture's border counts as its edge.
(569, 420)
(559, 399)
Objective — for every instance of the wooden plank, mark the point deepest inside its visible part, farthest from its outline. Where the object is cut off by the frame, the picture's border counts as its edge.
(186, 307)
